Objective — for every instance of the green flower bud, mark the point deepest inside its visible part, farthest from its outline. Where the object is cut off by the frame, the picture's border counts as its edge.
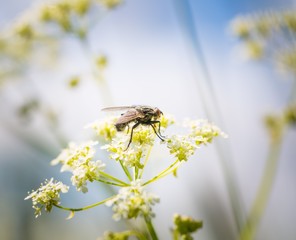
(101, 62)
(290, 115)
(81, 6)
(25, 30)
(241, 28)
(255, 49)
(289, 20)
(116, 236)
(274, 126)
(74, 81)
(185, 226)
(110, 3)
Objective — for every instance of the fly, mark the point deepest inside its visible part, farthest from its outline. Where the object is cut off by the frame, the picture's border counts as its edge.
(138, 114)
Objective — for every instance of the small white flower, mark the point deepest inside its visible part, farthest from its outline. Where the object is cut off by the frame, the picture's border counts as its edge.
(47, 195)
(79, 161)
(86, 171)
(132, 202)
(203, 131)
(143, 138)
(104, 128)
(181, 147)
(68, 156)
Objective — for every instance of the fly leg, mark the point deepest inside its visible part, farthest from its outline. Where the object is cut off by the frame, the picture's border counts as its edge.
(159, 133)
(131, 137)
(161, 138)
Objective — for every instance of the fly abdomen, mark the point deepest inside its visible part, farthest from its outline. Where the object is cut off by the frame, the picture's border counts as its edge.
(120, 126)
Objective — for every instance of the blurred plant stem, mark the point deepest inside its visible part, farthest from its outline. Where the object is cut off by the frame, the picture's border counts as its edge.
(249, 229)
(251, 225)
(211, 107)
(35, 144)
(292, 97)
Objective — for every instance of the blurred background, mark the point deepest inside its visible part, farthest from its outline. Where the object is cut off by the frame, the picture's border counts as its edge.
(171, 54)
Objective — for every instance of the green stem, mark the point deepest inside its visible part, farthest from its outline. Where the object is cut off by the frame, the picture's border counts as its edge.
(175, 235)
(111, 183)
(106, 175)
(249, 229)
(164, 173)
(150, 228)
(137, 234)
(293, 90)
(127, 173)
(86, 207)
(136, 173)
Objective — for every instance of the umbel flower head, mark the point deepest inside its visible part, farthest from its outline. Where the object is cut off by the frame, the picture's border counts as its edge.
(143, 140)
(201, 133)
(47, 195)
(79, 161)
(181, 147)
(105, 128)
(132, 202)
(260, 34)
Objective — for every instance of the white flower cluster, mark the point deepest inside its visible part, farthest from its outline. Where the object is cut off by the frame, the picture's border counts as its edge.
(104, 128)
(132, 202)
(47, 195)
(143, 138)
(201, 132)
(269, 34)
(79, 161)
(181, 147)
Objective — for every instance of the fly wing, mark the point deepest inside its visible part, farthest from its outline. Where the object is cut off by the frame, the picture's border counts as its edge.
(129, 116)
(119, 108)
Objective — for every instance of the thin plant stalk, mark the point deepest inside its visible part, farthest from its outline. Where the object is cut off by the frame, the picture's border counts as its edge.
(150, 228)
(250, 228)
(126, 171)
(208, 99)
(30, 141)
(165, 172)
(86, 207)
(111, 183)
(106, 175)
